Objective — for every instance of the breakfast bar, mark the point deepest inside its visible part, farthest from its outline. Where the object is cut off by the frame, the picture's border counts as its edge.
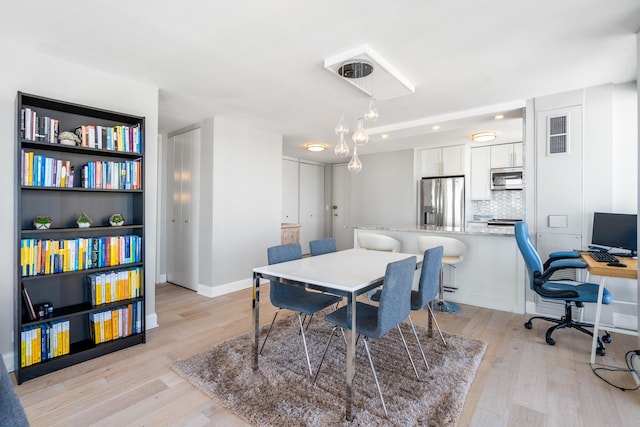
(492, 274)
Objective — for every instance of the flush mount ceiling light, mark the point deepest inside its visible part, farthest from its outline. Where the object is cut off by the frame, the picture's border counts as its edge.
(315, 146)
(483, 136)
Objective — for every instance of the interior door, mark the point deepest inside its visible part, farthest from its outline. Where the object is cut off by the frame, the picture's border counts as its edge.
(341, 208)
(311, 204)
(180, 269)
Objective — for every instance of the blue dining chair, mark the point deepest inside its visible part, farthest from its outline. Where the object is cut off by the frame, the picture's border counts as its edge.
(322, 246)
(569, 291)
(375, 321)
(294, 297)
(428, 290)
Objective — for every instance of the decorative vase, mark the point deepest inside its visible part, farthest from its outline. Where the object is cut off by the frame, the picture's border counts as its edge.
(42, 223)
(116, 220)
(84, 221)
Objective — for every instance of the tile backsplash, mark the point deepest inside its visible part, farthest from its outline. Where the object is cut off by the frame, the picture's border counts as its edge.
(503, 204)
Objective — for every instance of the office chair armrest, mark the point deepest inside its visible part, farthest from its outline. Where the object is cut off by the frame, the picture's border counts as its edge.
(538, 286)
(560, 264)
(554, 256)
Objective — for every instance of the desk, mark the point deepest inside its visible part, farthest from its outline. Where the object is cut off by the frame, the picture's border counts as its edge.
(603, 270)
(345, 273)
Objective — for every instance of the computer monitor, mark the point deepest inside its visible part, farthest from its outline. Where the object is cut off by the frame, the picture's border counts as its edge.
(615, 231)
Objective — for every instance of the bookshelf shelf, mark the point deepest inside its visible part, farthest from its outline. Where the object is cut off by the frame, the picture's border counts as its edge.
(59, 266)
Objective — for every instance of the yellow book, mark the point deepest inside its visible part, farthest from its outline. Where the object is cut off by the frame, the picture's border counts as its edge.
(30, 168)
(96, 327)
(99, 289)
(115, 325)
(107, 326)
(37, 345)
(60, 339)
(66, 338)
(23, 349)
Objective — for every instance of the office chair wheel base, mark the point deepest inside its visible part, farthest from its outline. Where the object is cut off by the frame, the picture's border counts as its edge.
(600, 351)
(606, 338)
(528, 325)
(446, 307)
(551, 341)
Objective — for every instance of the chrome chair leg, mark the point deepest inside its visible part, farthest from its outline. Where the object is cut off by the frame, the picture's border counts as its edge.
(326, 347)
(436, 322)
(304, 341)
(269, 331)
(406, 347)
(375, 376)
(424, 358)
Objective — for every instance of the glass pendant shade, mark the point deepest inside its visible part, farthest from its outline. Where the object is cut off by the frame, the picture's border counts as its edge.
(355, 165)
(342, 149)
(360, 136)
(341, 127)
(372, 113)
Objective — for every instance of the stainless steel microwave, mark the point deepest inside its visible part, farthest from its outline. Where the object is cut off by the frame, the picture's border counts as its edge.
(506, 179)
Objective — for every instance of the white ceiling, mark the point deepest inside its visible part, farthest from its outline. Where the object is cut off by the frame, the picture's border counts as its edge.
(261, 62)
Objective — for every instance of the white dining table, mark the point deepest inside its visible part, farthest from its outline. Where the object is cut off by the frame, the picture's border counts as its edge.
(347, 273)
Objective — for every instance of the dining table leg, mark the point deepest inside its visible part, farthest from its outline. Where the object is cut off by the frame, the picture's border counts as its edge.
(256, 318)
(351, 354)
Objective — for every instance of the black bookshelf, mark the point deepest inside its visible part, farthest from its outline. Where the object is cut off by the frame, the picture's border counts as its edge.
(68, 290)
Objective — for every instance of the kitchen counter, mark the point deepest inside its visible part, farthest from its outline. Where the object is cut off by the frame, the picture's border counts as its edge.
(492, 274)
(471, 228)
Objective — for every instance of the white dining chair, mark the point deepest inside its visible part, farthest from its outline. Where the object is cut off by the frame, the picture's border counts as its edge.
(453, 254)
(378, 242)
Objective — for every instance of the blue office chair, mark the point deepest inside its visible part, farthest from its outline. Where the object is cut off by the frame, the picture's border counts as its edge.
(322, 246)
(428, 290)
(571, 292)
(294, 297)
(375, 321)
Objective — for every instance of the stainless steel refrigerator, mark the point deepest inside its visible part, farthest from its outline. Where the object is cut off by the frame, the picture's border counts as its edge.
(442, 201)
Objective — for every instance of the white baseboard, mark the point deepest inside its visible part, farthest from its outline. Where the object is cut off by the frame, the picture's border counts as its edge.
(8, 360)
(485, 301)
(151, 321)
(224, 289)
(162, 278)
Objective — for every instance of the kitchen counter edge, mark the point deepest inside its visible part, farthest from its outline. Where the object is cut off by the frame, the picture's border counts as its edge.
(483, 231)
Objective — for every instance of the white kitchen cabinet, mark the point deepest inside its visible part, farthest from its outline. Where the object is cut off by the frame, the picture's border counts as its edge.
(506, 155)
(442, 161)
(290, 186)
(480, 181)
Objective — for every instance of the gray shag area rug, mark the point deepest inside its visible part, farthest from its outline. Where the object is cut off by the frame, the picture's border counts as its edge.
(281, 392)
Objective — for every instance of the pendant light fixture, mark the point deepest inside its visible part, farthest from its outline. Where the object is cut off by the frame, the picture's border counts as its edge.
(342, 149)
(355, 165)
(360, 135)
(355, 69)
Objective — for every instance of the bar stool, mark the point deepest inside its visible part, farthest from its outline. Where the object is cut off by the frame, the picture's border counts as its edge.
(453, 253)
(378, 242)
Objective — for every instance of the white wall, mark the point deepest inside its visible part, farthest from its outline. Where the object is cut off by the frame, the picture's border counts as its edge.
(46, 76)
(246, 198)
(625, 152)
(384, 192)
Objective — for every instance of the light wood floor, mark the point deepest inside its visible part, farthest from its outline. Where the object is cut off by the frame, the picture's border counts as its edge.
(521, 380)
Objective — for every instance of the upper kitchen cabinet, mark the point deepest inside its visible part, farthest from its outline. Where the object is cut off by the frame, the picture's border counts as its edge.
(506, 155)
(480, 181)
(442, 161)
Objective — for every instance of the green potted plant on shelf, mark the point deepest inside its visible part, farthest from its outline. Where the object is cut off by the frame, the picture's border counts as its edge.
(84, 221)
(116, 220)
(42, 222)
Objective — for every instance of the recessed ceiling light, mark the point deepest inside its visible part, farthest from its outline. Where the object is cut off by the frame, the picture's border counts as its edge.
(483, 136)
(499, 116)
(435, 127)
(384, 136)
(315, 146)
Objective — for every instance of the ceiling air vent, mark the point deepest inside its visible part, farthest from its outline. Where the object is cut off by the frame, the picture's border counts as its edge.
(557, 137)
(367, 70)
